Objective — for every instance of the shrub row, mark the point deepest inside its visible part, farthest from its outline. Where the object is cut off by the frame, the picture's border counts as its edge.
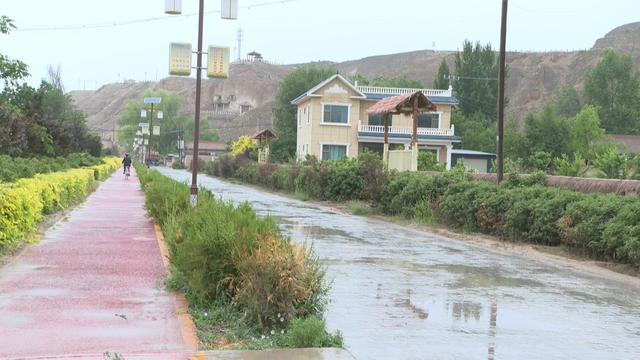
(605, 226)
(12, 168)
(226, 254)
(23, 203)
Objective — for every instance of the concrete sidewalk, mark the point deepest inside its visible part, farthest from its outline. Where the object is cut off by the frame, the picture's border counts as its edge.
(94, 284)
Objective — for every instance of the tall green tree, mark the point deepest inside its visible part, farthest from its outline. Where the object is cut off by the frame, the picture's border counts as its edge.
(441, 81)
(547, 132)
(477, 131)
(567, 102)
(293, 85)
(475, 86)
(11, 71)
(585, 132)
(172, 122)
(614, 88)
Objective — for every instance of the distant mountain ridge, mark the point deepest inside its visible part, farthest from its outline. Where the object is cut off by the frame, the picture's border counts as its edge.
(533, 80)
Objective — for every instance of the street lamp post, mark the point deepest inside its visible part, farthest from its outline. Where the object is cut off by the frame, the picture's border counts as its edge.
(229, 10)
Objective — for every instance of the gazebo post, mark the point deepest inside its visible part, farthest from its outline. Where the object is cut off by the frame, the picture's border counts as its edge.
(414, 144)
(385, 151)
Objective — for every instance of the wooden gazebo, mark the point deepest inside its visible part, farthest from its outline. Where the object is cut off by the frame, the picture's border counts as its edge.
(409, 104)
(263, 138)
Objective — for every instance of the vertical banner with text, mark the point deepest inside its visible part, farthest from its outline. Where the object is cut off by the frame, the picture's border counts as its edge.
(180, 59)
(218, 62)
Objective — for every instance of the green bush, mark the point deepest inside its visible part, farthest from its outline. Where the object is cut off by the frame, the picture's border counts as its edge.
(404, 190)
(222, 253)
(584, 222)
(283, 178)
(373, 174)
(427, 162)
(492, 211)
(341, 180)
(622, 235)
(311, 332)
(178, 165)
(460, 204)
(535, 212)
(12, 169)
(249, 173)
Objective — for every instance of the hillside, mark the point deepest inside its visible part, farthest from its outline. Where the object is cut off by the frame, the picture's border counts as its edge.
(533, 80)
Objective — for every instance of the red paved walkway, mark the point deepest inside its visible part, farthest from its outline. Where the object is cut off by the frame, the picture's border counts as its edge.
(93, 284)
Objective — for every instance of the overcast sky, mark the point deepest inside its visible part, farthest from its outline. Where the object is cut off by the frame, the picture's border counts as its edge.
(292, 32)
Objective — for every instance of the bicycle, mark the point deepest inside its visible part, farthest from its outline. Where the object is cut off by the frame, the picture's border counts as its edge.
(127, 172)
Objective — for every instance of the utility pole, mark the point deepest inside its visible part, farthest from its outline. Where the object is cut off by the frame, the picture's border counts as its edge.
(501, 68)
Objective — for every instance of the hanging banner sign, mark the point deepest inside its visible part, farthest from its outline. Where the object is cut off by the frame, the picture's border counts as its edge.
(218, 62)
(180, 59)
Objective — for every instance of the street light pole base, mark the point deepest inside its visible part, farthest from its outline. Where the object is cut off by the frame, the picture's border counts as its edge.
(194, 195)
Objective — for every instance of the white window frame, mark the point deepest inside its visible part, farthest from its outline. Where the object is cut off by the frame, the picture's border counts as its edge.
(299, 117)
(439, 118)
(308, 115)
(348, 124)
(334, 144)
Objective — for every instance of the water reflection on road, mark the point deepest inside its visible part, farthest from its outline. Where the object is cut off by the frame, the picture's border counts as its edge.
(400, 293)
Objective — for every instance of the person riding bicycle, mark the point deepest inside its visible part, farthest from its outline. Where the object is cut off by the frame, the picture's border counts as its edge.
(127, 164)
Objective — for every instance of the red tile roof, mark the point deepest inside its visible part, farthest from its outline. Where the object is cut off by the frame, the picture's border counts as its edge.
(402, 104)
(264, 134)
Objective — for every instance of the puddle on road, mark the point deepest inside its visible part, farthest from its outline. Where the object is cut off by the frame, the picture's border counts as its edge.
(483, 277)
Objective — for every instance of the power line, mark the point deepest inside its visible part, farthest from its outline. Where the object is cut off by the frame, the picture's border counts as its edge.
(115, 23)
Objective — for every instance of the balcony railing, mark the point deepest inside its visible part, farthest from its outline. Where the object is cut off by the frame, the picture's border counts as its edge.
(379, 129)
(402, 91)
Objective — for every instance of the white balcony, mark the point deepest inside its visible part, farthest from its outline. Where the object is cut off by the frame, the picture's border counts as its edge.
(402, 91)
(379, 129)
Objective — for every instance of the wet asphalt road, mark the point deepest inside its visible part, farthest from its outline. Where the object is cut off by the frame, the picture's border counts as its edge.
(400, 293)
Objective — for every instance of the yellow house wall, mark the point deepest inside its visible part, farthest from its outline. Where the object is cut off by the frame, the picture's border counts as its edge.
(317, 134)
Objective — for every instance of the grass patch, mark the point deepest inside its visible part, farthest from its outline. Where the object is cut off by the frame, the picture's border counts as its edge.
(357, 207)
(246, 283)
(302, 196)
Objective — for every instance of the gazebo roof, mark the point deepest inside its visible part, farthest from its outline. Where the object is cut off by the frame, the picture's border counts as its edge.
(402, 104)
(265, 134)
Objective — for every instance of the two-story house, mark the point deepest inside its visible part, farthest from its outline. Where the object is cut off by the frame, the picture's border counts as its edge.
(332, 121)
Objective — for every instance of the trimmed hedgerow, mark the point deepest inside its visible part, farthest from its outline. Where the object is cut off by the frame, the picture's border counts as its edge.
(24, 203)
(522, 209)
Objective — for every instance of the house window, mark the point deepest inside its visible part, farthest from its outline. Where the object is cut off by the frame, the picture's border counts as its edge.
(338, 114)
(308, 115)
(429, 120)
(334, 152)
(299, 117)
(245, 108)
(379, 120)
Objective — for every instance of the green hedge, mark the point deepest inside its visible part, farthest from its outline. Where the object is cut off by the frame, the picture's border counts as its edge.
(23, 203)
(12, 169)
(605, 226)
